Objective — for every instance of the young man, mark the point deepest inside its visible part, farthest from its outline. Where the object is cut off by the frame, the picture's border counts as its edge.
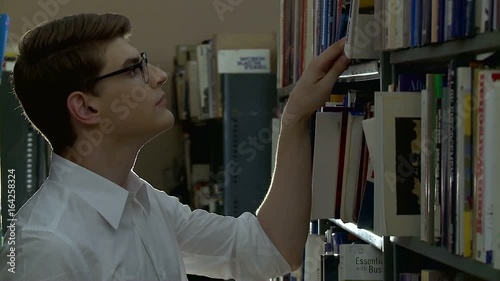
(97, 101)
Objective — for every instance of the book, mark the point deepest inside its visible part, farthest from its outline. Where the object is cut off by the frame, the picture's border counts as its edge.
(397, 167)
(325, 164)
(360, 39)
(244, 61)
(4, 28)
(360, 262)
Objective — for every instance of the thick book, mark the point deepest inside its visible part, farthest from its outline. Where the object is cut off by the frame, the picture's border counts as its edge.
(325, 164)
(360, 42)
(397, 167)
(486, 171)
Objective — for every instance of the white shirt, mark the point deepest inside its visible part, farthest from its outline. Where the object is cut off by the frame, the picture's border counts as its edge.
(81, 226)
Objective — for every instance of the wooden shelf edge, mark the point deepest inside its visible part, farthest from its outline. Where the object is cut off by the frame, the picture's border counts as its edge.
(365, 71)
(480, 43)
(361, 72)
(468, 265)
(363, 234)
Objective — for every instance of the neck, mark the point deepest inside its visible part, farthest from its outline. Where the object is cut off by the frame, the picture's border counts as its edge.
(113, 161)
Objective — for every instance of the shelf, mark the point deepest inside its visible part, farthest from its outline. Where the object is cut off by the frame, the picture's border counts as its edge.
(468, 265)
(483, 42)
(363, 234)
(365, 71)
(285, 91)
(361, 72)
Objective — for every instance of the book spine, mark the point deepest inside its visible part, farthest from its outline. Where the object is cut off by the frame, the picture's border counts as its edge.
(340, 20)
(438, 89)
(464, 158)
(424, 213)
(349, 48)
(494, 115)
(441, 21)
(413, 37)
(490, 143)
(434, 21)
(451, 169)
(470, 27)
(479, 175)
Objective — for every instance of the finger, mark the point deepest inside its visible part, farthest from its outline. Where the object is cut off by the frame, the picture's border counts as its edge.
(340, 65)
(328, 57)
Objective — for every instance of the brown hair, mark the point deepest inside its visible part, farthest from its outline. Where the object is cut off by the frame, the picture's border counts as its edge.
(55, 59)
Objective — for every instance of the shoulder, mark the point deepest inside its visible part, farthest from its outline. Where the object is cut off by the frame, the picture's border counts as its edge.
(161, 196)
(43, 211)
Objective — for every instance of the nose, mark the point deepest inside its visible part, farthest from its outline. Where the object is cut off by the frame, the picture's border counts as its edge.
(160, 77)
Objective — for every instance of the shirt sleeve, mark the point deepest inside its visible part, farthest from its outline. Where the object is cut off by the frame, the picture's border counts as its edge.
(40, 256)
(225, 247)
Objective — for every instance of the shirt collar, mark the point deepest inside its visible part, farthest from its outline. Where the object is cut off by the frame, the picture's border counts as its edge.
(105, 196)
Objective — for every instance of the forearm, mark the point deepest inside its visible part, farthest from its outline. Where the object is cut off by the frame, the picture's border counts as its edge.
(285, 212)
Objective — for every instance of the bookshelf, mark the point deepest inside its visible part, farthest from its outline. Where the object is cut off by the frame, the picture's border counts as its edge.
(411, 55)
(364, 71)
(470, 266)
(480, 43)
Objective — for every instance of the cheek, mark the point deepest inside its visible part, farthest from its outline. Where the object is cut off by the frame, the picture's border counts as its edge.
(140, 96)
(132, 102)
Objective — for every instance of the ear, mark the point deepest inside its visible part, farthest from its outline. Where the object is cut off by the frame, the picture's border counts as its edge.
(82, 109)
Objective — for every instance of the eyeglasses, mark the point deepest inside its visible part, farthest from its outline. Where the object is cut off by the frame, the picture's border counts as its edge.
(142, 65)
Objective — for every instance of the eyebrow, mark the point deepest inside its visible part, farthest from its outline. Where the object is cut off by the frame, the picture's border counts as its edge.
(131, 61)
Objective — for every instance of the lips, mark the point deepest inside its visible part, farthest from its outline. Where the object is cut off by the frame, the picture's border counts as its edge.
(161, 99)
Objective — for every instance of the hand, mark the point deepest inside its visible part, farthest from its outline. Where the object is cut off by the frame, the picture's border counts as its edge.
(315, 85)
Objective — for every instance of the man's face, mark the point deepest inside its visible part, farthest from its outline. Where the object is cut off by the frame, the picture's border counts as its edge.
(129, 108)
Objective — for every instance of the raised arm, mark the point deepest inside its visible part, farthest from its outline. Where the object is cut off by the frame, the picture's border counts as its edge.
(285, 213)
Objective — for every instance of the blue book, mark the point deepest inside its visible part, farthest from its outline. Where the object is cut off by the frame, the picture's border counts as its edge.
(411, 82)
(441, 20)
(470, 27)
(4, 27)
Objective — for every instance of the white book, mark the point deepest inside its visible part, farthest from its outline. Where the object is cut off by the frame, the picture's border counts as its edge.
(325, 164)
(312, 257)
(360, 262)
(486, 16)
(244, 61)
(399, 34)
(397, 188)
(389, 24)
(493, 135)
(361, 41)
(486, 171)
(202, 53)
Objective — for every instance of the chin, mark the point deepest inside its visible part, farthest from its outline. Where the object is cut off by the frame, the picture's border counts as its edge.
(166, 122)
(161, 123)
(171, 120)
